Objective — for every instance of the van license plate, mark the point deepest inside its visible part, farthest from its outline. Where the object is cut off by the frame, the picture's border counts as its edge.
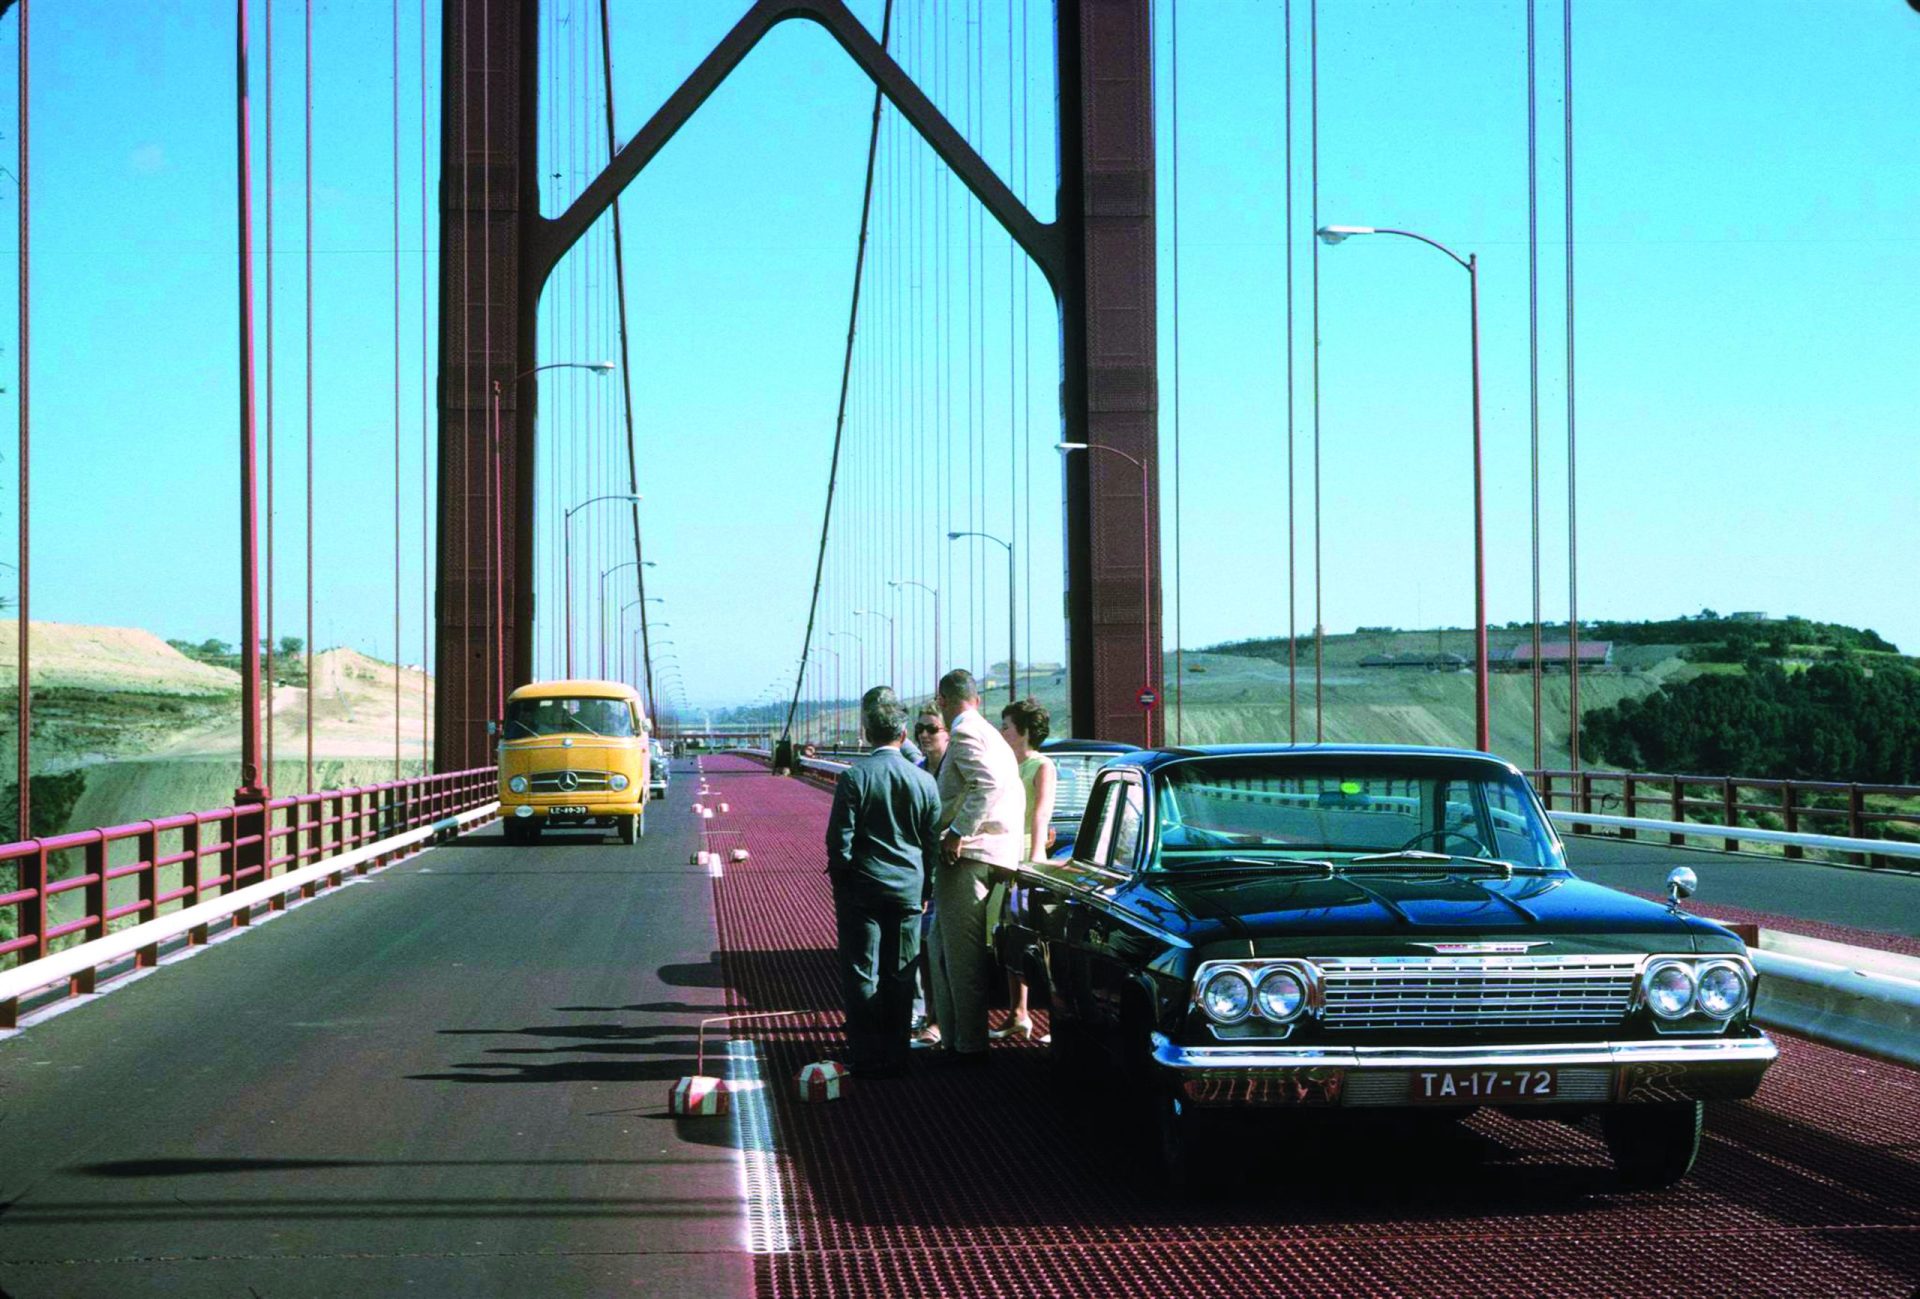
(1444, 1086)
(575, 809)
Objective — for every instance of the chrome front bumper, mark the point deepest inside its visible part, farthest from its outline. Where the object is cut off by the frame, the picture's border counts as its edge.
(1588, 1073)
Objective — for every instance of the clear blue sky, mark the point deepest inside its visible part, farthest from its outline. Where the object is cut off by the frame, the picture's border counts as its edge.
(1748, 206)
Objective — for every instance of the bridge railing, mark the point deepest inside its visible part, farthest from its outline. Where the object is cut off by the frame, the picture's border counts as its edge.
(1852, 811)
(77, 887)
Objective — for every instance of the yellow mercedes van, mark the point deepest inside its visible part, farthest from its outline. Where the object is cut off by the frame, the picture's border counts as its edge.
(573, 754)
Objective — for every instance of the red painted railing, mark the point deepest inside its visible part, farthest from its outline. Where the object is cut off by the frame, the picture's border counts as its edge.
(120, 873)
(1799, 806)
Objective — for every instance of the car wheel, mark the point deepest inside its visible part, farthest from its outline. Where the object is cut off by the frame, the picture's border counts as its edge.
(629, 828)
(1179, 1146)
(1653, 1145)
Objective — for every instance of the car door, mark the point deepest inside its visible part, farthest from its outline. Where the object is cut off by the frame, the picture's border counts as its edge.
(1061, 915)
(1110, 943)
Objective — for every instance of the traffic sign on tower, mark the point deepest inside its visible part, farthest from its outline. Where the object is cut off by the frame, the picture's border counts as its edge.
(1147, 697)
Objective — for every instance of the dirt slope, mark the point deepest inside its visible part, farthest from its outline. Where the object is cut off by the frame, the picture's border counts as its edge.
(108, 658)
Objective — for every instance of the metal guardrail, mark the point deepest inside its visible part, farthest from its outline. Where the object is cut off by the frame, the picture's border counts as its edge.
(1679, 830)
(80, 964)
(1855, 809)
(210, 854)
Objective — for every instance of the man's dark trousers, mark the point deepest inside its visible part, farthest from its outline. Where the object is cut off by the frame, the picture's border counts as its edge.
(878, 944)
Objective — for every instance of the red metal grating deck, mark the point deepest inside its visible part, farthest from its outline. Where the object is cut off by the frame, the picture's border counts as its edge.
(984, 1184)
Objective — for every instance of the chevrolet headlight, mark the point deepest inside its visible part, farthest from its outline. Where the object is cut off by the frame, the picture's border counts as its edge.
(1670, 989)
(1722, 991)
(518, 784)
(619, 782)
(1227, 997)
(1281, 995)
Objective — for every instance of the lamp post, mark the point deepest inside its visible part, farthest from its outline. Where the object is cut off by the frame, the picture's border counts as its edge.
(933, 591)
(1146, 565)
(604, 575)
(859, 660)
(567, 547)
(498, 493)
(1482, 709)
(1013, 693)
(893, 642)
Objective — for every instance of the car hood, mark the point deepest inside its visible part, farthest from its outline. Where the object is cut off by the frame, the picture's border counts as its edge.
(1258, 905)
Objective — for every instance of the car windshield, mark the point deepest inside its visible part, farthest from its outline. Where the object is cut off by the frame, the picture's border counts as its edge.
(1075, 771)
(530, 718)
(1341, 809)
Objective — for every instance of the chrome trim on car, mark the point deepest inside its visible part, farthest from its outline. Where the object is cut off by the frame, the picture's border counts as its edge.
(1496, 991)
(1254, 971)
(1757, 1049)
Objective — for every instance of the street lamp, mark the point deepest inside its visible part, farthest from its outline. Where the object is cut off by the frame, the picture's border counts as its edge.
(567, 531)
(1013, 694)
(860, 659)
(1146, 565)
(934, 591)
(498, 493)
(1482, 715)
(893, 642)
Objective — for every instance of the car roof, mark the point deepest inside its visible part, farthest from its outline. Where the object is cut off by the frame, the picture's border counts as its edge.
(575, 689)
(1088, 746)
(1150, 759)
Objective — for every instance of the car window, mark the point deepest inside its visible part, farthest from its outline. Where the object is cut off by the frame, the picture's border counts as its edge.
(1096, 823)
(1127, 811)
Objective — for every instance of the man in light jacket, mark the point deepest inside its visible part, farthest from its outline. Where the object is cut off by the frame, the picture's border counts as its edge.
(982, 805)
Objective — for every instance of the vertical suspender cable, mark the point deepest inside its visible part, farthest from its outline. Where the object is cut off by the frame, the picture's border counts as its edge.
(251, 786)
(846, 370)
(307, 255)
(426, 457)
(266, 650)
(1319, 631)
(1026, 335)
(23, 721)
(1179, 577)
(397, 709)
(1293, 636)
(1533, 350)
(466, 449)
(1573, 459)
(489, 474)
(626, 377)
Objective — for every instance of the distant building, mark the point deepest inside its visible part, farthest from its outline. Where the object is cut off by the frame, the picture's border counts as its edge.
(1750, 615)
(1553, 654)
(1429, 662)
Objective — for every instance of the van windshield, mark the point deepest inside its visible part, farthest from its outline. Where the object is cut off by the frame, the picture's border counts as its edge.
(530, 718)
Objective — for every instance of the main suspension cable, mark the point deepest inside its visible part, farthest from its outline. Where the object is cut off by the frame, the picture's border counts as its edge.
(846, 371)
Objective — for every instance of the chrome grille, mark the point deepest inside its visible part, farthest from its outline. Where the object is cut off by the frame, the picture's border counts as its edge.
(1476, 991)
(555, 782)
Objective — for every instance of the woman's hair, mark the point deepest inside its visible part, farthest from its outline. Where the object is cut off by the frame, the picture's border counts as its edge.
(1029, 717)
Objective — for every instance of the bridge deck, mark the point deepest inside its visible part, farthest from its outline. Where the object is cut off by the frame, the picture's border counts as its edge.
(451, 1078)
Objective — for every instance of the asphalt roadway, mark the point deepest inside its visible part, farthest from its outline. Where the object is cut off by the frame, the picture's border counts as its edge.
(448, 1079)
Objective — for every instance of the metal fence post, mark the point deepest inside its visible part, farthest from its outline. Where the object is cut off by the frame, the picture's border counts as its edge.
(1729, 809)
(1790, 813)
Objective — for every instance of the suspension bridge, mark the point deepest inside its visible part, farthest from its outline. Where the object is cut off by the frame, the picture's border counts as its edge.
(323, 1039)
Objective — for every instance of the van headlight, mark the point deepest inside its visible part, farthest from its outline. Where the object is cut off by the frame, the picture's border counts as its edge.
(617, 783)
(1670, 989)
(518, 784)
(1722, 991)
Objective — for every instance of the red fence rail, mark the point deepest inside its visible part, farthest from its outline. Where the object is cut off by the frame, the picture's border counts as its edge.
(1800, 806)
(76, 887)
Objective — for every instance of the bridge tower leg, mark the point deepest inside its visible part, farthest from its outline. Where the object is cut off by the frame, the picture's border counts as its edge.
(1109, 365)
(489, 200)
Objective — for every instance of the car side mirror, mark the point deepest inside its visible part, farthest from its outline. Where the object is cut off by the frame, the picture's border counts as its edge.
(493, 727)
(1681, 883)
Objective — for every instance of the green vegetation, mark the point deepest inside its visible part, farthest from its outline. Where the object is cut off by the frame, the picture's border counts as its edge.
(1834, 721)
(289, 661)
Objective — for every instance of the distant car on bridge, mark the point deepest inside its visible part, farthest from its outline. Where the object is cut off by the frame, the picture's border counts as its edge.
(659, 770)
(573, 755)
(1373, 928)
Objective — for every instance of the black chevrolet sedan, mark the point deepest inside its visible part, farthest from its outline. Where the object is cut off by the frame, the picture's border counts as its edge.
(1374, 927)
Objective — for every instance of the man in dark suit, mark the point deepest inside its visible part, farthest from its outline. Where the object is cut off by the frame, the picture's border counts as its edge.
(882, 836)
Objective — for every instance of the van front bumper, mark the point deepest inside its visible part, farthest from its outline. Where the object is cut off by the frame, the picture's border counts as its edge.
(1584, 1073)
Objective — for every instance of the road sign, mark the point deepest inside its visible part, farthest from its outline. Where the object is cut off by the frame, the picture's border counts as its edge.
(1148, 698)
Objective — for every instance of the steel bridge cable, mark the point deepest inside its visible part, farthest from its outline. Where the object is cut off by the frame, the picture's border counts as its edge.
(307, 253)
(1573, 459)
(267, 230)
(426, 456)
(23, 720)
(1179, 577)
(1533, 354)
(846, 370)
(626, 373)
(1319, 631)
(1293, 633)
(398, 710)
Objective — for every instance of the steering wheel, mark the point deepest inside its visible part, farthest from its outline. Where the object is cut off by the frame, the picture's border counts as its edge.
(1440, 837)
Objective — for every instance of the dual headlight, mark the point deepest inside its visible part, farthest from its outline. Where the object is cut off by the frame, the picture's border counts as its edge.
(1228, 994)
(1675, 989)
